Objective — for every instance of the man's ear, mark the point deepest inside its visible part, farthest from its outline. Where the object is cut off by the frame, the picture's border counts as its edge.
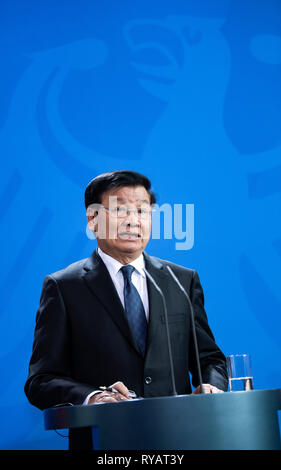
(92, 218)
(93, 222)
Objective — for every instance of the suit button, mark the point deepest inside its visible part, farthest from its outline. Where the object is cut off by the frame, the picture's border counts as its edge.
(148, 380)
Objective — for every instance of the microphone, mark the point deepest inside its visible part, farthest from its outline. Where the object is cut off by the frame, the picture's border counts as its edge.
(192, 326)
(167, 330)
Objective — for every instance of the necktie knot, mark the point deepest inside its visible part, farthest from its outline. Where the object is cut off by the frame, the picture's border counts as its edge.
(127, 272)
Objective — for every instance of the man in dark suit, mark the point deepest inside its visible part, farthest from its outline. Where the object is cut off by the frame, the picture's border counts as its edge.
(100, 321)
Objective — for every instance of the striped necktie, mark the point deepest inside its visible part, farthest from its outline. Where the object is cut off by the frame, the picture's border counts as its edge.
(134, 308)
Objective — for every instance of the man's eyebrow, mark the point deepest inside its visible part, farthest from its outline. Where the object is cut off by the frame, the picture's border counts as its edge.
(121, 199)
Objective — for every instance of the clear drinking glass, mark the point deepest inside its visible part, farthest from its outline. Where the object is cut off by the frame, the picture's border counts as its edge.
(240, 372)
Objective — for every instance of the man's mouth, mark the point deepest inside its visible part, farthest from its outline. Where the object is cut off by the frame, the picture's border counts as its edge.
(129, 236)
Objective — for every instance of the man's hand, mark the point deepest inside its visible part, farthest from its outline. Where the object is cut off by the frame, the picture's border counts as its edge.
(207, 388)
(119, 393)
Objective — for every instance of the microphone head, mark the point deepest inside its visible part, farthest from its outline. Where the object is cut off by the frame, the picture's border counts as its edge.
(152, 280)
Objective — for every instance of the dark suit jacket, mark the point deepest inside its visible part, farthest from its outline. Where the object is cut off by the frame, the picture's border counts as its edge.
(83, 340)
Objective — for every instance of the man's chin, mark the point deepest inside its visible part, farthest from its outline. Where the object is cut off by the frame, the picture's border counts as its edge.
(125, 247)
(136, 245)
(131, 244)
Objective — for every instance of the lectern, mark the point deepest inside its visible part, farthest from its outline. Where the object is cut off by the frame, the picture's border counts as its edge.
(224, 421)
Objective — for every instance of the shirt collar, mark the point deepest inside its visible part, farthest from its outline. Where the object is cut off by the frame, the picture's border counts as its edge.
(114, 266)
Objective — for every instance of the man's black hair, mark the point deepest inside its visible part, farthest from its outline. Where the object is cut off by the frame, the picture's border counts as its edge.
(113, 180)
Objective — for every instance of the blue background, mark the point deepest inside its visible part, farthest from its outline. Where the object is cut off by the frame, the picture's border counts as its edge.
(187, 92)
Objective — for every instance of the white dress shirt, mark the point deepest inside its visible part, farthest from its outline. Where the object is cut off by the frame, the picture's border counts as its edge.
(138, 279)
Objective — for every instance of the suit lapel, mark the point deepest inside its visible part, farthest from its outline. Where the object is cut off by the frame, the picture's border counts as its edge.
(100, 283)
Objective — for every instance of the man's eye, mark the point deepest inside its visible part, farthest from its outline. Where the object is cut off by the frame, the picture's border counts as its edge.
(120, 210)
(145, 211)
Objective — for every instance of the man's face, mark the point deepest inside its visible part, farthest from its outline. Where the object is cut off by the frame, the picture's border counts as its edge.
(123, 224)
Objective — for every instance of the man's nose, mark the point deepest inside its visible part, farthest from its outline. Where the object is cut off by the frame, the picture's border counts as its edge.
(132, 218)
